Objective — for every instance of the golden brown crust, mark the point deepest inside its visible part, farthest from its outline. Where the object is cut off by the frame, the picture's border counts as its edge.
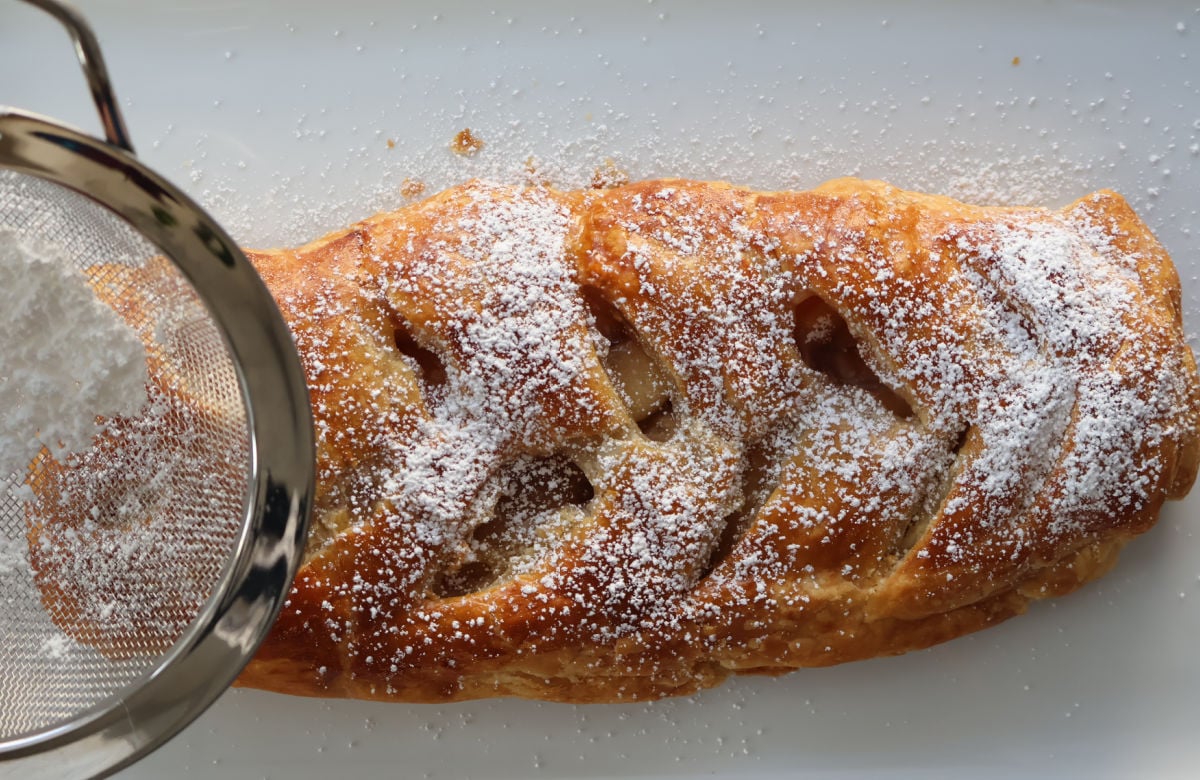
(1019, 404)
(616, 445)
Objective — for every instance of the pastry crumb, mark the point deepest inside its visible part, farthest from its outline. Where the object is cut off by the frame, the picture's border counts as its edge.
(412, 188)
(466, 143)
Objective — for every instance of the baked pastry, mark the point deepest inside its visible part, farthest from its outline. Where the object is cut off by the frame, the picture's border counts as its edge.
(617, 445)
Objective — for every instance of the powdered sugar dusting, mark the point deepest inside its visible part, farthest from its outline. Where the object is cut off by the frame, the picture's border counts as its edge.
(1004, 420)
(509, 299)
(1036, 346)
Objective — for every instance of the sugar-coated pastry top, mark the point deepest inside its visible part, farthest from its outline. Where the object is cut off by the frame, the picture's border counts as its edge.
(614, 445)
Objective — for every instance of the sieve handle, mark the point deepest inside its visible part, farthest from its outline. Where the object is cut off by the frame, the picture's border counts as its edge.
(87, 49)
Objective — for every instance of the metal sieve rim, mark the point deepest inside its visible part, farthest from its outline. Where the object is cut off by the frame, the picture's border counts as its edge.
(256, 579)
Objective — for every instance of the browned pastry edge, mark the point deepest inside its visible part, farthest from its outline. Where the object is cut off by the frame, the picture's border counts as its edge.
(848, 641)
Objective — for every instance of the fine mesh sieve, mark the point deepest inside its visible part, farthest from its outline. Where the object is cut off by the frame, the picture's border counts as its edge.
(140, 573)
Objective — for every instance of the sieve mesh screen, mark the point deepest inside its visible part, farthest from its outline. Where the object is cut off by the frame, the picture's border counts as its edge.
(108, 555)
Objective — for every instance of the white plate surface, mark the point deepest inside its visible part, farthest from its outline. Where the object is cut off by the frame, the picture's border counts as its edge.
(278, 116)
